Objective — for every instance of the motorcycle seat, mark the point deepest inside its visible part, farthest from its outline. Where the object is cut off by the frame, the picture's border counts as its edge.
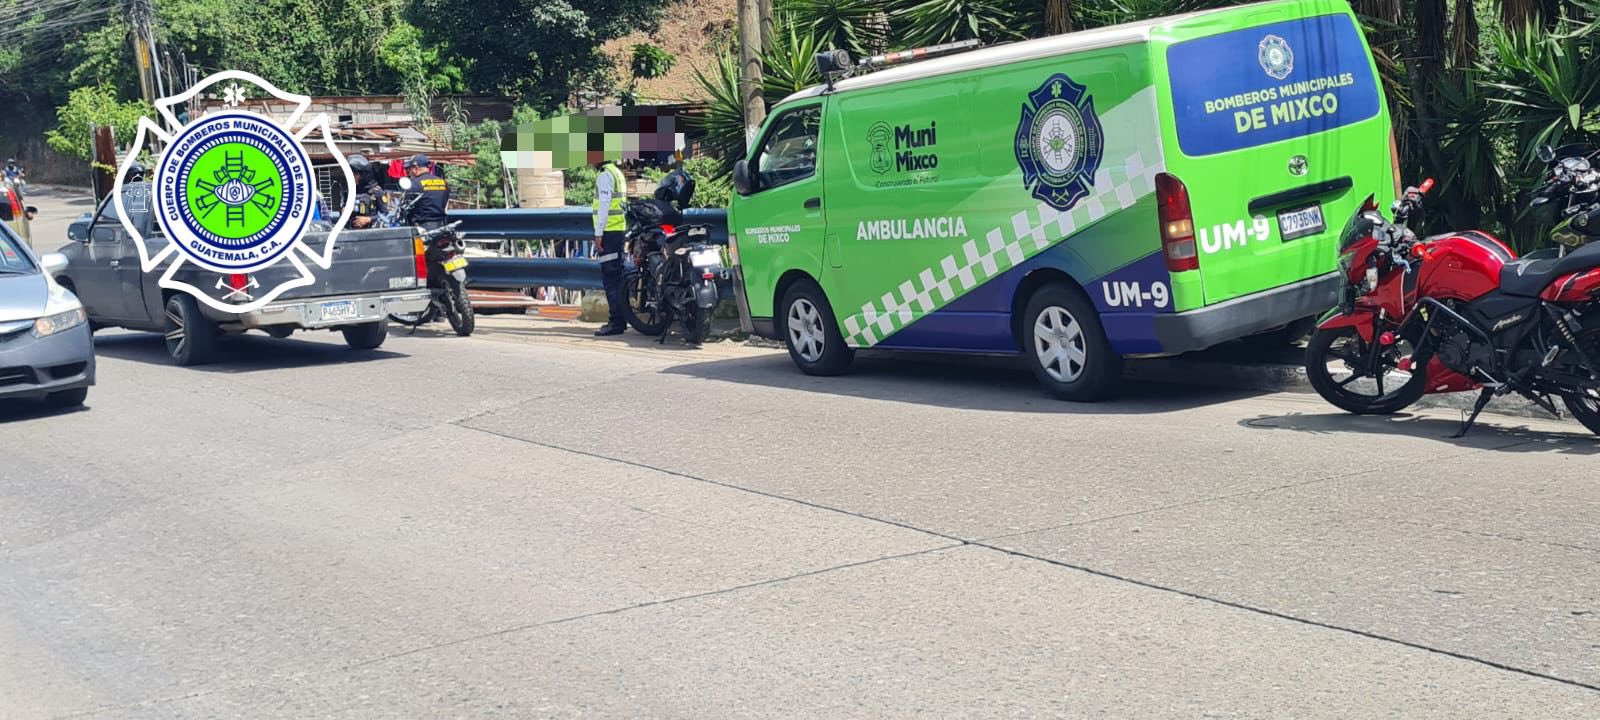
(1529, 277)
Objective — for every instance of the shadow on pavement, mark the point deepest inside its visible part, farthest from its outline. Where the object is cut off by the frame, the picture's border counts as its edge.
(572, 331)
(31, 409)
(240, 354)
(965, 383)
(1489, 434)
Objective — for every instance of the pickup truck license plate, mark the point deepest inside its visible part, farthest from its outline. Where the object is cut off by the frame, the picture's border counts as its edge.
(1300, 222)
(455, 263)
(340, 310)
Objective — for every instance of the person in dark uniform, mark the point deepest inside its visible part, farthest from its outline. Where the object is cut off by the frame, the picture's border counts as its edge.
(429, 210)
(369, 193)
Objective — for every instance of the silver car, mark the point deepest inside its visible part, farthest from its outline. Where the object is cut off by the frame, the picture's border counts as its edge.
(46, 350)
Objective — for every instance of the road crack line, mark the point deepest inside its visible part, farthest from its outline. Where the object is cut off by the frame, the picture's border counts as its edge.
(1072, 566)
(646, 604)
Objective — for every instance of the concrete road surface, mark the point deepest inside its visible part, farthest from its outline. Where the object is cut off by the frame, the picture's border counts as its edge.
(532, 524)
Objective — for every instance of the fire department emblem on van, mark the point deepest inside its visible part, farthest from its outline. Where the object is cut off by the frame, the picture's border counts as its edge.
(1277, 59)
(1059, 142)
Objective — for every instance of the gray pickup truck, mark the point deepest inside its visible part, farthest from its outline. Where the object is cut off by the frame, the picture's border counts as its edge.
(374, 274)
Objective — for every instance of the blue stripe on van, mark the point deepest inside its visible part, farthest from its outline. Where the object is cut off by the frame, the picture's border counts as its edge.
(1274, 82)
(980, 321)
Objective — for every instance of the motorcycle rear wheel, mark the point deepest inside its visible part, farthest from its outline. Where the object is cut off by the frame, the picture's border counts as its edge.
(458, 308)
(1345, 345)
(697, 325)
(1585, 406)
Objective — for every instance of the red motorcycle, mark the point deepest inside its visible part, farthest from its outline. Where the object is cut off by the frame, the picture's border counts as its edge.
(1461, 311)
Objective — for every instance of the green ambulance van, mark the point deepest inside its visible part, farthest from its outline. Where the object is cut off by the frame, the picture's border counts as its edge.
(1137, 190)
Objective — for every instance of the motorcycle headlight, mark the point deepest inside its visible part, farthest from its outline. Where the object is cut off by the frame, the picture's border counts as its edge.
(59, 322)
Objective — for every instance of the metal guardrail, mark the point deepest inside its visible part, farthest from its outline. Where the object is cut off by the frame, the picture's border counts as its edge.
(564, 238)
(567, 223)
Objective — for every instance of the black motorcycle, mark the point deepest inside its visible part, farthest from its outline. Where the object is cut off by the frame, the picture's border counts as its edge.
(445, 260)
(673, 274)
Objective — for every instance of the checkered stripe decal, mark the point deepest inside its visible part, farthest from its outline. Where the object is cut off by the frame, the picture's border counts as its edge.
(1118, 187)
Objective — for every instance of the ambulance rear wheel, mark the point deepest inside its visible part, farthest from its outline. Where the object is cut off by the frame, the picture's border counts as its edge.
(1066, 347)
(811, 333)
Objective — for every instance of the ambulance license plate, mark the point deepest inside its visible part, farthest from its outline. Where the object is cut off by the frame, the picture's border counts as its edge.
(1298, 223)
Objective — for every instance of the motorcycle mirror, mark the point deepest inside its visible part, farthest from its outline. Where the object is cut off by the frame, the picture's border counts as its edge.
(1545, 153)
(406, 184)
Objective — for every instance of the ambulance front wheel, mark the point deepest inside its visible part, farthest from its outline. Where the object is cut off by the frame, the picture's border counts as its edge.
(1066, 347)
(811, 333)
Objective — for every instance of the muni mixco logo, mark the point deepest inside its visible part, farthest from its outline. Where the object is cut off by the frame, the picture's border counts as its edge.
(1059, 142)
(234, 192)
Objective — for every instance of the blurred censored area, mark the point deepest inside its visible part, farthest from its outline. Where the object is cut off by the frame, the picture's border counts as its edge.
(619, 134)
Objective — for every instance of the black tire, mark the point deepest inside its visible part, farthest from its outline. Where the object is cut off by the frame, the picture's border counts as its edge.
(366, 336)
(646, 320)
(280, 331)
(1322, 349)
(67, 398)
(697, 327)
(191, 337)
(1074, 361)
(458, 308)
(1585, 408)
(805, 303)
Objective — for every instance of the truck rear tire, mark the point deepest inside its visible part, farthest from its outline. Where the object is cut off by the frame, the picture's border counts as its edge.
(811, 332)
(366, 336)
(1066, 346)
(191, 337)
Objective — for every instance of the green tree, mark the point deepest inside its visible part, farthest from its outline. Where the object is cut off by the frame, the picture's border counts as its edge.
(536, 48)
(87, 107)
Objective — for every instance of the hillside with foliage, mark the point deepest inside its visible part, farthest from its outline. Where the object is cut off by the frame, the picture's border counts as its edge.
(62, 61)
(1474, 86)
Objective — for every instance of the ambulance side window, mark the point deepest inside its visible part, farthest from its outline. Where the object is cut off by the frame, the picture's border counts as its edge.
(789, 152)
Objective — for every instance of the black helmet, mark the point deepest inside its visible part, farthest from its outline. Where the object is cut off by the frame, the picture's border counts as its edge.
(360, 164)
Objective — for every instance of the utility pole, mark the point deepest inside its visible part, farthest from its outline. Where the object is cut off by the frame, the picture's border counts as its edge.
(750, 45)
(766, 25)
(142, 18)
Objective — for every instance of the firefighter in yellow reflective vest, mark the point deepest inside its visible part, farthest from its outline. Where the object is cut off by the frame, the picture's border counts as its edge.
(610, 228)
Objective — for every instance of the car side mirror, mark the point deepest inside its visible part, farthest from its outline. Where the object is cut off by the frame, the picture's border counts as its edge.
(406, 184)
(53, 262)
(1545, 153)
(741, 177)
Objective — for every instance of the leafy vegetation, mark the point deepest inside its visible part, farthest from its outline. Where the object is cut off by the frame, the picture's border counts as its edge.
(90, 106)
(1474, 85)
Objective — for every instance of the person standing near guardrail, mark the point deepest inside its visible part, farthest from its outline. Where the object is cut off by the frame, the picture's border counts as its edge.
(429, 210)
(610, 228)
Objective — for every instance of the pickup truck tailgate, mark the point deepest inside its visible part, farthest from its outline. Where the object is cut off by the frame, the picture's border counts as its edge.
(364, 262)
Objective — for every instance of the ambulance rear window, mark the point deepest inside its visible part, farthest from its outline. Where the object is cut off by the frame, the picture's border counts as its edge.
(1245, 88)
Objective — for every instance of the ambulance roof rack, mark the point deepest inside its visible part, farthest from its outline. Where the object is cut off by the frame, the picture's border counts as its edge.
(835, 65)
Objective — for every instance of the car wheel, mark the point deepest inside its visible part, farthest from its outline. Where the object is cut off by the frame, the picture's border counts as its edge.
(1066, 346)
(280, 331)
(190, 336)
(67, 398)
(366, 336)
(811, 332)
